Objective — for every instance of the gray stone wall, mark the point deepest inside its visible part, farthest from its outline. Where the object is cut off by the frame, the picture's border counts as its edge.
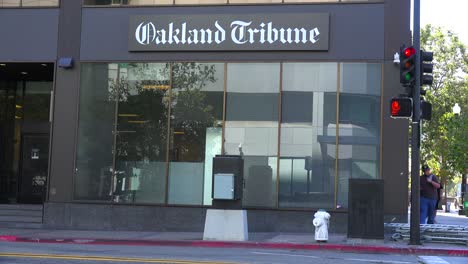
(175, 219)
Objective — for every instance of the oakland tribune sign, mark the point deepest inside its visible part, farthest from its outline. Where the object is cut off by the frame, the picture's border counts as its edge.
(285, 31)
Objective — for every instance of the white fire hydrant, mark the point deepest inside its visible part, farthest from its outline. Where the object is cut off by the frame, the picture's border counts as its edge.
(321, 222)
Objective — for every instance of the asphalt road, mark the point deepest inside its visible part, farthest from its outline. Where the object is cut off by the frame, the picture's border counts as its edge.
(34, 253)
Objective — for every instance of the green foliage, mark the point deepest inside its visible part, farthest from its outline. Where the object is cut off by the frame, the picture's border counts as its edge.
(444, 140)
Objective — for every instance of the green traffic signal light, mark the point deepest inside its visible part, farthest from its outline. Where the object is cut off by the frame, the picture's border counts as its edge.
(408, 77)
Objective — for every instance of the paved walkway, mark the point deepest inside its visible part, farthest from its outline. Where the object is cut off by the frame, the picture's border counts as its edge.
(451, 218)
(258, 240)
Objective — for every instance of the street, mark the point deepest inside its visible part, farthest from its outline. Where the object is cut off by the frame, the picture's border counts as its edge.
(34, 253)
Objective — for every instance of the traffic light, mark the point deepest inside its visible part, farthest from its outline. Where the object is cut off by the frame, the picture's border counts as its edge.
(426, 110)
(401, 107)
(426, 67)
(407, 66)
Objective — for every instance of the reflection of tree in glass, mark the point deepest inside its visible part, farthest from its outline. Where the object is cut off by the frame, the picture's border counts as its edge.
(192, 111)
(143, 109)
(189, 106)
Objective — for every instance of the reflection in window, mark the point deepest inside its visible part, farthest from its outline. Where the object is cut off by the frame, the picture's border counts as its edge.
(196, 130)
(95, 132)
(127, 153)
(253, 1)
(40, 2)
(141, 143)
(362, 0)
(310, 1)
(122, 132)
(128, 2)
(308, 141)
(146, 2)
(37, 100)
(207, 2)
(200, 2)
(359, 128)
(28, 3)
(251, 128)
(10, 3)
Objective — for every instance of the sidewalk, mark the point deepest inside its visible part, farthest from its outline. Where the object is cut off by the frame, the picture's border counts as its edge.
(447, 218)
(291, 241)
(297, 241)
(451, 218)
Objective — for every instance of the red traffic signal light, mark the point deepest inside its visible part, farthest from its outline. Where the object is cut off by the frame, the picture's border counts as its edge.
(401, 107)
(409, 51)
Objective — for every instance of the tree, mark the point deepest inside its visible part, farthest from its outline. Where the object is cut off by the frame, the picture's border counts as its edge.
(444, 139)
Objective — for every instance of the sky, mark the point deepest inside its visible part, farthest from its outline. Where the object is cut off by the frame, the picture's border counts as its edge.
(450, 14)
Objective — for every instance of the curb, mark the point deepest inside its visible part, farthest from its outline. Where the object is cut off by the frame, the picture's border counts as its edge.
(265, 245)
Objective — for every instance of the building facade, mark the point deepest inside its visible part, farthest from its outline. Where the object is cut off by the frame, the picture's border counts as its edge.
(114, 110)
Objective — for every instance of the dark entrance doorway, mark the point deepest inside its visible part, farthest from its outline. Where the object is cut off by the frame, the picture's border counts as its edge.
(34, 168)
(25, 98)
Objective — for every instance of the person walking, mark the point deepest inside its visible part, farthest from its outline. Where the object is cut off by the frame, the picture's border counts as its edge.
(428, 198)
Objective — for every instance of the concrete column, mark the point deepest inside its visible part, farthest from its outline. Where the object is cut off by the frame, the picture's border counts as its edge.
(67, 84)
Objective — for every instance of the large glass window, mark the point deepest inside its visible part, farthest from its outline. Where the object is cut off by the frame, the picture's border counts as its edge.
(253, 1)
(309, 1)
(141, 136)
(146, 2)
(207, 2)
(132, 102)
(196, 130)
(94, 157)
(40, 2)
(251, 129)
(37, 98)
(10, 3)
(28, 3)
(308, 141)
(359, 126)
(200, 2)
(148, 132)
(122, 143)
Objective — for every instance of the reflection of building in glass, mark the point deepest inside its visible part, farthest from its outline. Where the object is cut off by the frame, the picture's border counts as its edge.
(308, 104)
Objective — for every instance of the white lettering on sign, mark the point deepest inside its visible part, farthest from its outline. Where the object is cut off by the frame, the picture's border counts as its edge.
(238, 31)
(241, 33)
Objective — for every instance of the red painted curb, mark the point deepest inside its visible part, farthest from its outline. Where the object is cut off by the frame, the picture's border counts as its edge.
(264, 245)
(8, 238)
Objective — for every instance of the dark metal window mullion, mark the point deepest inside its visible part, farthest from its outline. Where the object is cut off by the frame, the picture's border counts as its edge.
(223, 131)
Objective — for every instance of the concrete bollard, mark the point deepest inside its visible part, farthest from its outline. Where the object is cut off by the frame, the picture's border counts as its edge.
(321, 223)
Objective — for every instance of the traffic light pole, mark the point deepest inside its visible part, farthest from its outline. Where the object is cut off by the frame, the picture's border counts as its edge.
(415, 126)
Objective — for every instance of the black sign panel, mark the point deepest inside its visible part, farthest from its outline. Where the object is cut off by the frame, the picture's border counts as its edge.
(285, 31)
